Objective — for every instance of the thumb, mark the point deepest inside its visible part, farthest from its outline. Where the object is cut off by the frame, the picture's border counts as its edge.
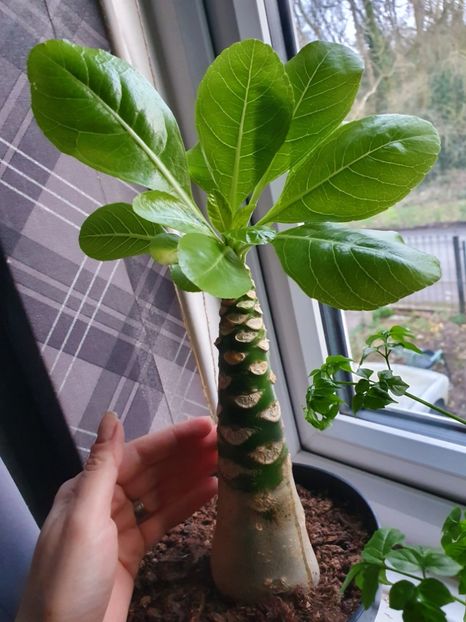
(97, 482)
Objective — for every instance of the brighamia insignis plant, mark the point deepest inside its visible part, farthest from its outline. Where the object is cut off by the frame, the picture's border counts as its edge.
(256, 119)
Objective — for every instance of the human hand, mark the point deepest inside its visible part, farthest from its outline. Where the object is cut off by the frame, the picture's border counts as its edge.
(90, 545)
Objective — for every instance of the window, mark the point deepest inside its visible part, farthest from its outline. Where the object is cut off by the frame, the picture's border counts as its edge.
(413, 53)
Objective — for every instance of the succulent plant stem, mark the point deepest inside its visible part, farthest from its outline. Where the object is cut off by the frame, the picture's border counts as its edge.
(260, 543)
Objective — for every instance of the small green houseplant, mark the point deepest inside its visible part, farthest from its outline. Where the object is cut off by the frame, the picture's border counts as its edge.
(257, 119)
(419, 594)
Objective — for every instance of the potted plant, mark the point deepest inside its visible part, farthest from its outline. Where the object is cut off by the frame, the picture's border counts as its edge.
(419, 590)
(257, 119)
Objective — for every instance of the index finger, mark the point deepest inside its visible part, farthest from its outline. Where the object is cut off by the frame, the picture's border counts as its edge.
(158, 446)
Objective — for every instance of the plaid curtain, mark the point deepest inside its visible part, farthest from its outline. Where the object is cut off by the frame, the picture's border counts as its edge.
(111, 334)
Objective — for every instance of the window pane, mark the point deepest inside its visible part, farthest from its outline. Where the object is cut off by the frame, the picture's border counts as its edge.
(415, 57)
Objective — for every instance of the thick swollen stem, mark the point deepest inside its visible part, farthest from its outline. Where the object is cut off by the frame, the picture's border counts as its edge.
(260, 543)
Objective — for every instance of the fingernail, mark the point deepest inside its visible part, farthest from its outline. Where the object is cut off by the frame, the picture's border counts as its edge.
(108, 427)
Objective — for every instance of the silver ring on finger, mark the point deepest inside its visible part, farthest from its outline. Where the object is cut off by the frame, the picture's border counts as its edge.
(140, 511)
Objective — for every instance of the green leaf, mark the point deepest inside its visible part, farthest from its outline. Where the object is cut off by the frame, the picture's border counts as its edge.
(165, 209)
(454, 536)
(337, 362)
(243, 112)
(351, 269)
(440, 564)
(322, 399)
(366, 353)
(401, 594)
(462, 581)
(198, 170)
(181, 280)
(433, 592)
(371, 396)
(98, 109)
(212, 266)
(368, 583)
(322, 404)
(114, 231)
(380, 335)
(354, 571)
(357, 403)
(395, 384)
(420, 612)
(380, 544)
(364, 372)
(398, 336)
(325, 78)
(164, 248)
(251, 236)
(219, 212)
(414, 559)
(421, 603)
(362, 169)
(362, 386)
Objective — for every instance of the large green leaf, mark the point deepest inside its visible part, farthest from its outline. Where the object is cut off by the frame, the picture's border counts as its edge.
(368, 582)
(251, 236)
(219, 212)
(352, 269)
(114, 231)
(414, 559)
(243, 112)
(180, 279)
(401, 594)
(164, 248)
(95, 107)
(165, 209)
(218, 209)
(362, 169)
(325, 78)
(380, 544)
(198, 170)
(212, 266)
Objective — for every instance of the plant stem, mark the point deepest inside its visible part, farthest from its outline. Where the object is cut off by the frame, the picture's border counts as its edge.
(440, 410)
(405, 574)
(260, 544)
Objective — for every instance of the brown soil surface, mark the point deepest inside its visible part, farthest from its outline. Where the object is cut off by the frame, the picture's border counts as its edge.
(174, 583)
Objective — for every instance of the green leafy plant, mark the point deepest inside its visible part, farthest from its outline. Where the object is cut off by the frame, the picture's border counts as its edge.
(419, 593)
(421, 601)
(257, 119)
(323, 396)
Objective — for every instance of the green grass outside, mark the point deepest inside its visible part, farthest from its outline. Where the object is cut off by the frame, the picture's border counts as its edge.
(420, 215)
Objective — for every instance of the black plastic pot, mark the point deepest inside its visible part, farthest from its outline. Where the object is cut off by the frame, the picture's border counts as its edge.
(317, 480)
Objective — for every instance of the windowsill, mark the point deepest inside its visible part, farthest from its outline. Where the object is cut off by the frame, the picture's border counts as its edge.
(417, 514)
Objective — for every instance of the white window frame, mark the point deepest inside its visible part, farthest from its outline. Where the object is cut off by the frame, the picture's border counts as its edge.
(370, 454)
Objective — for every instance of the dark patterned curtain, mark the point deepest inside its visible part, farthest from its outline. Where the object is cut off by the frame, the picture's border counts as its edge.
(111, 334)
